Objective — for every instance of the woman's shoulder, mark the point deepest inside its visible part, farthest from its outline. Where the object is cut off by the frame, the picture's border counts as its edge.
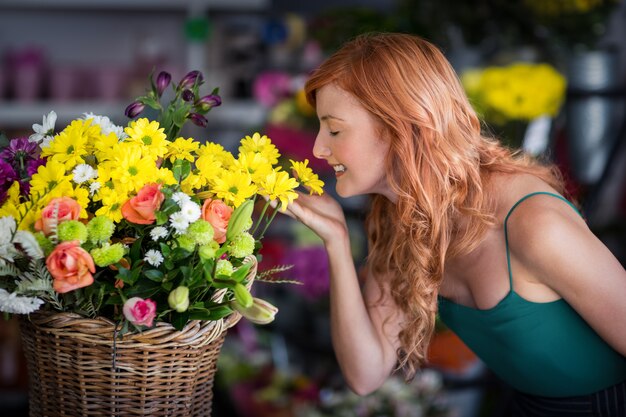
(510, 190)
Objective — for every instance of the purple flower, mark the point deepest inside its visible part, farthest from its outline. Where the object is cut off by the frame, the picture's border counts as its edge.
(310, 266)
(188, 95)
(20, 150)
(34, 164)
(7, 173)
(207, 102)
(188, 81)
(198, 119)
(163, 80)
(134, 109)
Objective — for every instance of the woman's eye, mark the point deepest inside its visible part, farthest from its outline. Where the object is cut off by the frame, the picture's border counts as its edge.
(333, 133)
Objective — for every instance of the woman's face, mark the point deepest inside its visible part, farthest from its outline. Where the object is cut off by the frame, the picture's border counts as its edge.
(348, 141)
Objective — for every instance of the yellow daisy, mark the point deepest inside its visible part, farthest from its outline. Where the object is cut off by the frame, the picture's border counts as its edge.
(307, 177)
(279, 185)
(150, 136)
(234, 187)
(254, 164)
(218, 153)
(71, 145)
(132, 168)
(48, 177)
(182, 148)
(262, 145)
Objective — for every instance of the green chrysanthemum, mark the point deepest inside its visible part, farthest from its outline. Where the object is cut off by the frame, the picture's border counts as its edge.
(208, 251)
(100, 229)
(44, 243)
(242, 245)
(186, 243)
(223, 267)
(72, 230)
(107, 254)
(201, 232)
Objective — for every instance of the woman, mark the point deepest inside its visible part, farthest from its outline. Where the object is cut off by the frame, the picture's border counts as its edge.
(460, 225)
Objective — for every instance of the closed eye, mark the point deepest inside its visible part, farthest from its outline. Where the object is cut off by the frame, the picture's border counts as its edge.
(334, 133)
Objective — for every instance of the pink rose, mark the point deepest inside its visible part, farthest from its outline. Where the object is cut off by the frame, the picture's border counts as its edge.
(65, 208)
(140, 312)
(70, 266)
(217, 213)
(140, 209)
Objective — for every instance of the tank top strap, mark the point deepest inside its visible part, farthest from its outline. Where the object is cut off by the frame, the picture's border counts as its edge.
(506, 232)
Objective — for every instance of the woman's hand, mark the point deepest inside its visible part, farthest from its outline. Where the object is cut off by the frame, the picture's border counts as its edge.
(322, 214)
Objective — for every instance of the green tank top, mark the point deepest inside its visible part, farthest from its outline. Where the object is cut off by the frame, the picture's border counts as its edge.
(543, 349)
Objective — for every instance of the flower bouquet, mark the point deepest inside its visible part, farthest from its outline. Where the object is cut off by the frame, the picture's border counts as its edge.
(133, 249)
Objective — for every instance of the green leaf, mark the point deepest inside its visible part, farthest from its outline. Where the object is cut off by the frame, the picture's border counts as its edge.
(241, 272)
(214, 313)
(161, 218)
(223, 281)
(181, 169)
(154, 274)
(135, 249)
(179, 320)
(150, 101)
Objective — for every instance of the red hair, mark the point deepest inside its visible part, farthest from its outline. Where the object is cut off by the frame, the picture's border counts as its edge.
(438, 166)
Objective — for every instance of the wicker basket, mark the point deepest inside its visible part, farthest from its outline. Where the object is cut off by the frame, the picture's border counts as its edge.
(74, 371)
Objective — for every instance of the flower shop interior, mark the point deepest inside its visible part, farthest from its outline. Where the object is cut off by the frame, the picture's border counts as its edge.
(548, 76)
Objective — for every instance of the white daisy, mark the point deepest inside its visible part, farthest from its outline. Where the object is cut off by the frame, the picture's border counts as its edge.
(153, 257)
(191, 211)
(7, 249)
(180, 198)
(106, 125)
(84, 172)
(93, 187)
(44, 130)
(179, 222)
(12, 303)
(158, 232)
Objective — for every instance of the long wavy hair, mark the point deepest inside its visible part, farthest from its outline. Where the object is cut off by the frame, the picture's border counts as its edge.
(438, 165)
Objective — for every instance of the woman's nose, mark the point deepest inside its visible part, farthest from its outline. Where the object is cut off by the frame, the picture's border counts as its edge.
(320, 149)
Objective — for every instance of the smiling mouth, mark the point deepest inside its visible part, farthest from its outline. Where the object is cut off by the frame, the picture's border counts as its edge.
(339, 169)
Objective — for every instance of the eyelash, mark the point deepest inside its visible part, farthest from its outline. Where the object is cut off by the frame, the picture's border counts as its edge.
(333, 133)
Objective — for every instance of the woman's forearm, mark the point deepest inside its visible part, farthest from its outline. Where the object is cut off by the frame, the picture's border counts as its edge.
(361, 352)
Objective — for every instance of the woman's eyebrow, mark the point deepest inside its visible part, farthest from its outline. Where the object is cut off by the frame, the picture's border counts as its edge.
(328, 116)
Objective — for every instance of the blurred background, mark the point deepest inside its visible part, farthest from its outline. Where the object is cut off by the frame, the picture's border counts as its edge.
(546, 75)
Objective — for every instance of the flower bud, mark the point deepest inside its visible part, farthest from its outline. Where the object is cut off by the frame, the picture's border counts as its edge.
(242, 295)
(163, 80)
(260, 312)
(198, 119)
(188, 96)
(207, 102)
(239, 219)
(134, 109)
(190, 79)
(179, 299)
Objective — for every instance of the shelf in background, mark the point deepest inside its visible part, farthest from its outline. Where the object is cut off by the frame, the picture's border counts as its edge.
(16, 115)
(148, 5)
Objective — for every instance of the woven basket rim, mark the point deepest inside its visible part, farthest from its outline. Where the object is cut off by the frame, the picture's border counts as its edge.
(100, 330)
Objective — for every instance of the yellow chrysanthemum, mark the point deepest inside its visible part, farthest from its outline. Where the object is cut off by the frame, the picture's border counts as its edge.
(209, 167)
(306, 177)
(49, 177)
(192, 183)
(12, 204)
(182, 148)
(262, 145)
(132, 168)
(279, 185)
(254, 164)
(150, 136)
(71, 145)
(104, 149)
(234, 187)
(112, 203)
(165, 176)
(216, 152)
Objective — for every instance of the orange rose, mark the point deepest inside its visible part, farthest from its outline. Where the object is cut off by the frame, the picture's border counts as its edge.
(71, 267)
(217, 213)
(140, 209)
(65, 208)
